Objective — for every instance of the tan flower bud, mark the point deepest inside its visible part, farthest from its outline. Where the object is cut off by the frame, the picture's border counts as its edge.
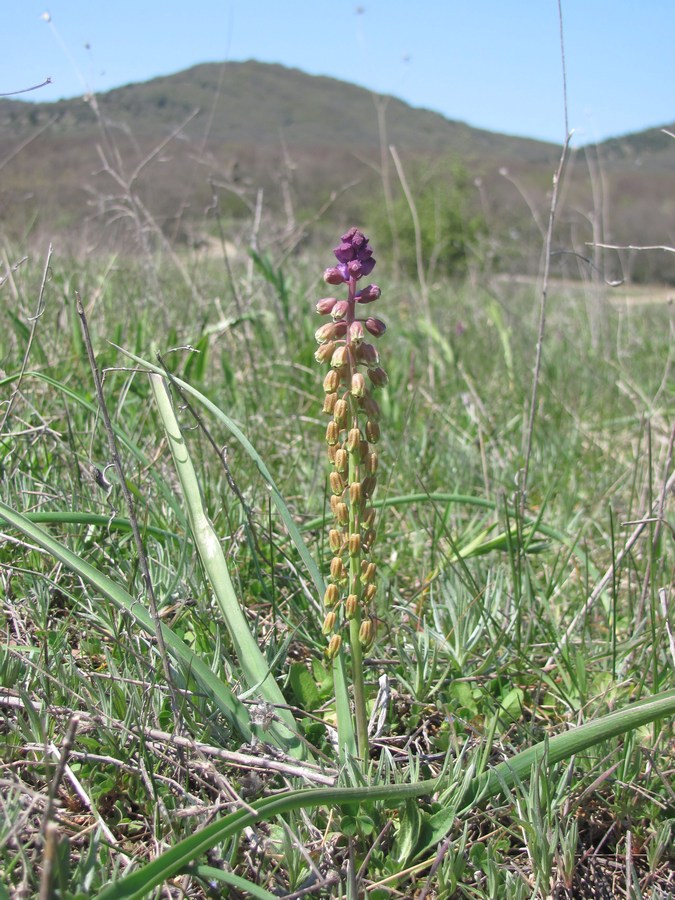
(323, 307)
(325, 333)
(340, 310)
(334, 645)
(368, 540)
(378, 376)
(358, 384)
(366, 633)
(372, 463)
(332, 381)
(334, 501)
(353, 440)
(372, 432)
(337, 485)
(370, 407)
(356, 331)
(335, 540)
(332, 433)
(342, 513)
(325, 351)
(339, 357)
(351, 606)
(354, 544)
(368, 486)
(329, 402)
(368, 518)
(328, 623)
(332, 451)
(369, 593)
(331, 597)
(340, 411)
(355, 495)
(368, 573)
(337, 569)
(341, 461)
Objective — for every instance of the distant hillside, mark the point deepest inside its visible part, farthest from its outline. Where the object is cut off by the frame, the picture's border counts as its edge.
(249, 126)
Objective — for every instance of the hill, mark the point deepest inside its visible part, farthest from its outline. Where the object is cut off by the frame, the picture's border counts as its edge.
(231, 130)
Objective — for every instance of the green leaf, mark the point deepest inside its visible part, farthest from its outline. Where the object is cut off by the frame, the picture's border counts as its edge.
(304, 687)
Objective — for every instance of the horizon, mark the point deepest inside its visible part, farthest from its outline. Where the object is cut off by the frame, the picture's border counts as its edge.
(496, 69)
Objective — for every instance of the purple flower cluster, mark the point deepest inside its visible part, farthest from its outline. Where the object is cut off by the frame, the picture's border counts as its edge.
(351, 435)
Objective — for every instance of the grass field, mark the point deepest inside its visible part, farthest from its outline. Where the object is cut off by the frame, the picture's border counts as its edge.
(503, 618)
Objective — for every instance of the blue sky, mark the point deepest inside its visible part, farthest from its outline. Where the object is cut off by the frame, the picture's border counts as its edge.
(492, 63)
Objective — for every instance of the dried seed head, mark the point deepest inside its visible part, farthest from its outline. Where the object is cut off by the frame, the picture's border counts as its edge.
(354, 544)
(366, 633)
(329, 402)
(328, 623)
(334, 645)
(331, 597)
(351, 606)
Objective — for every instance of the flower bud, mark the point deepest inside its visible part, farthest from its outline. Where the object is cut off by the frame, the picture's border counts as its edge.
(372, 461)
(337, 569)
(340, 309)
(368, 518)
(332, 433)
(363, 450)
(329, 402)
(337, 485)
(340, 411)
(372, 432)
(351, 606)
(339, 357)
(355, 494)
(354, 544)
(331, 597)
(378, 376)
(342, 513)
(331, 382)
(325, 333)
(368, 486)
(358, 385)
(366, 633)
(369, 593)
(356, 332)
(333, 275)
(370, 407)
(335, 541)
(332, 450)
(368, 540)
(367, 354)
(325, 306)
(341, 461)
(328, 623)
(334, 645)
(368, 572)
(353, 440)
(325, 352)
(334, 501)
(369, 293)
(375, 326)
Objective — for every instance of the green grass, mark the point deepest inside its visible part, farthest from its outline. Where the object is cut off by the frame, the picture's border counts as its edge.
(474, 600)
